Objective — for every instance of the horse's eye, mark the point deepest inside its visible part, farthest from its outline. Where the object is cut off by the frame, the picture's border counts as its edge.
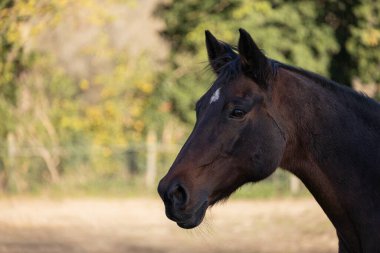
(237, 113)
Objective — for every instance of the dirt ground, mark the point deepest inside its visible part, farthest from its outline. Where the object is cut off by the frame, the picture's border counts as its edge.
(140, 225)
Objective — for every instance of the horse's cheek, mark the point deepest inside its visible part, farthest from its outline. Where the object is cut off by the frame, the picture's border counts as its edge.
(266, 152)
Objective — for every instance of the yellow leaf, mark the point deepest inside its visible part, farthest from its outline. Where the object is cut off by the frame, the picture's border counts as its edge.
(84, 84)
(145, 87)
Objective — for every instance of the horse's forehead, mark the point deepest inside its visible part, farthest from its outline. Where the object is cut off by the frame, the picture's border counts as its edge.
(240, 86)
(236, 87)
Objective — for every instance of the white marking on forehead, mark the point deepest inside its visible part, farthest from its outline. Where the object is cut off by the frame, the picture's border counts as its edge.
(215, 96)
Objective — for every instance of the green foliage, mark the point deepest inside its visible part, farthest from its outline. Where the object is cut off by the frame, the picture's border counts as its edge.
(334, 38)
(364, 44)
(286, 29)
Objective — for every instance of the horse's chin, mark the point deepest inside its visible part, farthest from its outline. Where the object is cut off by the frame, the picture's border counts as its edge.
(189, 225)
(195, 219)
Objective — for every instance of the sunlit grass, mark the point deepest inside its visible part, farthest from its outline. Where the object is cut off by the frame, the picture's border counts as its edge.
(119, 186)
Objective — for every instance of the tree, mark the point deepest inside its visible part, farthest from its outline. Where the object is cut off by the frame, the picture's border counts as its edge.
(12, 64)
(287, 30)
(63, 117)
(364, 44)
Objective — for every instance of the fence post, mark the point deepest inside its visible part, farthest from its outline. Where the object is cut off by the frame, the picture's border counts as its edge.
(131, 163)
(151, 158)
(10, 165)
(295, 184)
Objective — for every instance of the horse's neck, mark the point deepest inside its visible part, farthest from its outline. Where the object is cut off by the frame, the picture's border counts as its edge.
(325, 130)
(333, 153)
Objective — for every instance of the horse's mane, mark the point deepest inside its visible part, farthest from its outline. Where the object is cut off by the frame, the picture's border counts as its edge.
(232, 69)
(340, 90)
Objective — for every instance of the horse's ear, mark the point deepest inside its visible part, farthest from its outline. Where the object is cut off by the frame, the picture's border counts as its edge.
(254, 63)
(219, 53)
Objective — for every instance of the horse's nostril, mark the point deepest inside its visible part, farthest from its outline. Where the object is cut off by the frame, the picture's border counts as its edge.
(161, 189)
(178, 195)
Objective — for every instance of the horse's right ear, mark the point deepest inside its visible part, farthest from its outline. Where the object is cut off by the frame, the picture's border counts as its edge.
(254, 63)
(219, 53)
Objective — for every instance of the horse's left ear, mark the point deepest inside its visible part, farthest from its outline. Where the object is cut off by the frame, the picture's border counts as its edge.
(254, 63)
(219, 53)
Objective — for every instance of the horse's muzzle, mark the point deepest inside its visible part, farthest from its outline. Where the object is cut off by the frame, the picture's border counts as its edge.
(189, 219)
(178, 207)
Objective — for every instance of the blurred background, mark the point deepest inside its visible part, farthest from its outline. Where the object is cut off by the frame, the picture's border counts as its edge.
(96, 98)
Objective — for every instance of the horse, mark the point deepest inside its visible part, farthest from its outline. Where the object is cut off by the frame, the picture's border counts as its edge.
(261, 114)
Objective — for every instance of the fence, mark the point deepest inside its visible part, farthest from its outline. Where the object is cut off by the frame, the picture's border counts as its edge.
(25, 166)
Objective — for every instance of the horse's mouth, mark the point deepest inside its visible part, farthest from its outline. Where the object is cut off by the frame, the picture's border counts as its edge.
(192, 220)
